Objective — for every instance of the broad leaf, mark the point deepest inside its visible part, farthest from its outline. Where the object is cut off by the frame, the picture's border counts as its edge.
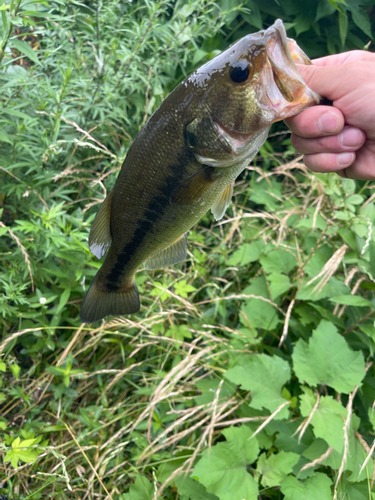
(190, 488)
(328, 419)
(264, 376)
(352, 300)
(317, 487)
(328, 360)
(248, 252)
(279, 284)
(223, 468)
(142, 489)
(276, 467)
(279, 261)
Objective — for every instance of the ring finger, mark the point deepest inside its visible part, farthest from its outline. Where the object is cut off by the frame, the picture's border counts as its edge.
(328, 162)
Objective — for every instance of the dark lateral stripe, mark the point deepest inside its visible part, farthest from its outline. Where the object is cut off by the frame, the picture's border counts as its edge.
(151, 214)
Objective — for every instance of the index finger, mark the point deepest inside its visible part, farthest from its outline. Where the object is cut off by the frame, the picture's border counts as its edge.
(345, 57)
(336, 81)
(317, 121)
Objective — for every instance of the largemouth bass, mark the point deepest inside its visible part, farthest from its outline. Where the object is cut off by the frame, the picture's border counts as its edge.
(185, 161)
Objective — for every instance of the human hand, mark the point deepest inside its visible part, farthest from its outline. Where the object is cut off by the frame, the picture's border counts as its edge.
(339, 138)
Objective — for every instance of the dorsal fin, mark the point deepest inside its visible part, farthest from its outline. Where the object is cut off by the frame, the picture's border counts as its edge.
(219, 207)
(176, 252)
(100, 235)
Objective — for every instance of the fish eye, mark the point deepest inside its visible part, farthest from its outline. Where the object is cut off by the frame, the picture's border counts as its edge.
(239, 72)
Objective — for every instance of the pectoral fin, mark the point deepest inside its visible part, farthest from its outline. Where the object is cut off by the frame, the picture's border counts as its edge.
(168, 256)
(100, 235)
(195, 186)
(218, 209)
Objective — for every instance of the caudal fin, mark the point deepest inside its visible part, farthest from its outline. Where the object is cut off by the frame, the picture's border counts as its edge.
(100, 302)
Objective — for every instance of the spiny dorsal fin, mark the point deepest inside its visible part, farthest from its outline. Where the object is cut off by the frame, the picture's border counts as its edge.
(195, 186)
(100, 235)
(219, 207)
(168, 256)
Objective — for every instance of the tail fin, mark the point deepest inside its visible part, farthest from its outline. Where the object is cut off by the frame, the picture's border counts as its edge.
(99, 302)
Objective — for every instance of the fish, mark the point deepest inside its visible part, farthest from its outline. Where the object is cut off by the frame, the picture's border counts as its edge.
(186, 159)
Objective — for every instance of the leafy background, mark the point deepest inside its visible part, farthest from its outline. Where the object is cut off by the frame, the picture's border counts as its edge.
(249, 371)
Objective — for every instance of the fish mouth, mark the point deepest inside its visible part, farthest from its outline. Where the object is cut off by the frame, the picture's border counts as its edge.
(287, 92)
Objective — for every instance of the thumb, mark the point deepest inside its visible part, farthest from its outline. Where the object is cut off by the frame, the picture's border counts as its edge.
(334, 82)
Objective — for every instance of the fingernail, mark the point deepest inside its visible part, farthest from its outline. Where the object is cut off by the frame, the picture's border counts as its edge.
(345, 158)
(350, 137)
(328, 123)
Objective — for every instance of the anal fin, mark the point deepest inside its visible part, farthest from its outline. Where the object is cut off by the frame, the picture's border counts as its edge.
(176, 252)
(100, 235)
(219, 207)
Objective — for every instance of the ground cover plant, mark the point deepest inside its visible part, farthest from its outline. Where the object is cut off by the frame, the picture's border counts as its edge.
(248, 372)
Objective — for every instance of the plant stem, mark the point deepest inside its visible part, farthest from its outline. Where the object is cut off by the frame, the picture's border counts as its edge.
(10, 30)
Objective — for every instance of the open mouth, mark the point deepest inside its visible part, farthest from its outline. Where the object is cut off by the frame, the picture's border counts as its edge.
(282, 55)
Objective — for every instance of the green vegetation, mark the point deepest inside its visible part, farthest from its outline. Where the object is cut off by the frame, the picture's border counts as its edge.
(249, 371)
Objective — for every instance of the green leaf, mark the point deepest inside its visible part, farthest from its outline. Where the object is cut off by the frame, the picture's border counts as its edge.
(190, 488)
(276, 467)
(359, 491)
(317, 487)
(278, 261)
(355, 199)
(343, 27)
(248, 252)
(254, 18)
(279, 284)
(15, 112)
(260, 314)
(64, 297)
(198, 56)
(142, 489)
(328, 418)
(209, 386)
(34, 13)
(324, 9)
(16, 370)
(302, 24)
(313, 221)
(287, 439)
(328, 360)
(371, 416)
(12, 457)
(372, 258)
(241, 438)
(223, 468)
(332, 288)
(25, 49)
(19, 453)
(182, 288)
(352, 300)
(361, 19)
(4, 137)
(264, 376)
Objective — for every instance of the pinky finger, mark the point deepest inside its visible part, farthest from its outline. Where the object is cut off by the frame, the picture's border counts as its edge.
(328, 162)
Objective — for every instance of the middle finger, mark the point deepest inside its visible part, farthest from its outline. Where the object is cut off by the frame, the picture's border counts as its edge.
(350, 139)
